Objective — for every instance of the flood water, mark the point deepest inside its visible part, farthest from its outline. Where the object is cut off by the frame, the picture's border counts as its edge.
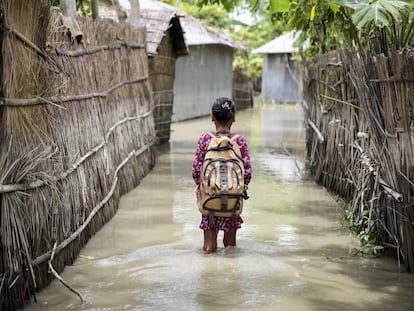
(291, 253)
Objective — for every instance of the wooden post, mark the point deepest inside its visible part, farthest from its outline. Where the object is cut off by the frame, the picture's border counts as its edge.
(95, 9)
(134, 15)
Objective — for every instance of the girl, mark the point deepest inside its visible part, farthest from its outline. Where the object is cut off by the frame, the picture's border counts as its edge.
(223, 113)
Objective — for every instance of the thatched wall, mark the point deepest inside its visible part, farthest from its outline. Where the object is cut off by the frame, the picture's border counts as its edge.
(162, 74)
(360, 140)
(76, 132)
(242, 89)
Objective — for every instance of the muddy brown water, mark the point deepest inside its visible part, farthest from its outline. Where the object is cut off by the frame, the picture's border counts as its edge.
(292, 253)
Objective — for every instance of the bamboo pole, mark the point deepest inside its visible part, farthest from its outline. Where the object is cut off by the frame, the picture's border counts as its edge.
(316, 130)
(21, 102)
(95, 9)
(57, 276)
(134, 14)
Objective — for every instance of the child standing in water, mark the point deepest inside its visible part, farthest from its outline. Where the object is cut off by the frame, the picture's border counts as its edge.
(223, 113)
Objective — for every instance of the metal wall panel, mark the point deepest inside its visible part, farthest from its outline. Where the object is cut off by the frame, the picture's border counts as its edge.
(280, 81)
(202, 76)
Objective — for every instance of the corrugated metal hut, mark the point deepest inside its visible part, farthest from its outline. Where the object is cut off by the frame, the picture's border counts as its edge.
(280, 79)
(165, 42)
(206, 73)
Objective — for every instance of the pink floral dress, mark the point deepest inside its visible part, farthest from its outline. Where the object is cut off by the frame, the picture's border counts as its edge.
(219, 223)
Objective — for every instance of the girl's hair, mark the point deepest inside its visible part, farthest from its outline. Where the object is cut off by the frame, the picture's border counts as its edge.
(223, 109)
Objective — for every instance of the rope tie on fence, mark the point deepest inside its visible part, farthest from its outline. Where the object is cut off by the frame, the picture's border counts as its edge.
(18, 102)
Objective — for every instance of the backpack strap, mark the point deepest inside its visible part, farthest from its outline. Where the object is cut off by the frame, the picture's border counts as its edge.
(234, 137)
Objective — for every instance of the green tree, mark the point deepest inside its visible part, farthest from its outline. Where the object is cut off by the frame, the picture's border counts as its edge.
(390, 22)
(331, 24)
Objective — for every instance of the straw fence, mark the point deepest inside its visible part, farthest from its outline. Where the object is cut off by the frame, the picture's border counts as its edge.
(360, 136)
(76, 132)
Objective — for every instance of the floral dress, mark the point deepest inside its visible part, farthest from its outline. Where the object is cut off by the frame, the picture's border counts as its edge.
(219, 223)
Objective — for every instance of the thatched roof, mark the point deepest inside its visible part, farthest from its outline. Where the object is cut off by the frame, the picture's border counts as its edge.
(158, 18)
(280, 45)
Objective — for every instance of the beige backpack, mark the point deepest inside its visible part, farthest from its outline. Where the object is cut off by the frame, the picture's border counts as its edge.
(222, 178)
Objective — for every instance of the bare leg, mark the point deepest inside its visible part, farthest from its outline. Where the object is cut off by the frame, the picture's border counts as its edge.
(210, 241)
(229, 238)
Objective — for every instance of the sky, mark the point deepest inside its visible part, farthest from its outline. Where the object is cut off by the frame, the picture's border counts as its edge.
(125, 3)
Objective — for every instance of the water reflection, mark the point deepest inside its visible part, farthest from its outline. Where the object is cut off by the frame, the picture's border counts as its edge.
(292, 253)
(281, 165)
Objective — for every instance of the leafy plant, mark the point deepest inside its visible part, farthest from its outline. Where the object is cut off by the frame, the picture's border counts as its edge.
(391, 22)
(331, 24)
(360, 227)
(227, 4)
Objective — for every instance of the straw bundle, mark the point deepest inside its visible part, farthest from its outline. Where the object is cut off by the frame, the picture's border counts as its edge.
(360, 139)
(76, 133)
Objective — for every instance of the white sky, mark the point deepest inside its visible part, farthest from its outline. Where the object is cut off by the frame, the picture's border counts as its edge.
(125, 3)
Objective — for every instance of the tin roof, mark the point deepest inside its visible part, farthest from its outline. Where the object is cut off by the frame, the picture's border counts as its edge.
(198, 34)
(280, 45)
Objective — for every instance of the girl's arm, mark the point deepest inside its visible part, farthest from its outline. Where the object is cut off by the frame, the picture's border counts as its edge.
(244, 149)
(200, 153)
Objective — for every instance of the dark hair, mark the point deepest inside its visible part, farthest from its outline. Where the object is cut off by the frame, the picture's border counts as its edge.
(223, 109)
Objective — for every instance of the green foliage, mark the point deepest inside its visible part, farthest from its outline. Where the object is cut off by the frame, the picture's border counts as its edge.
(212, 15)
(332, 24)
(279, 6)
(226, 4)
(378, 13)
(390, 22)
(83, 6)
(360, 226)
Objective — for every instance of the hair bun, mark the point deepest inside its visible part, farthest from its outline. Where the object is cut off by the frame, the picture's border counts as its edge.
(225, 105)
(223, 109)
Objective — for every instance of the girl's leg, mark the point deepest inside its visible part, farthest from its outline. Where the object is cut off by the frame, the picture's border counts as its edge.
(229, 238)
(210, 241)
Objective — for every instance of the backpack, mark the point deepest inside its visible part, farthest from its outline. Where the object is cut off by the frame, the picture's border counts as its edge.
(222, 178)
